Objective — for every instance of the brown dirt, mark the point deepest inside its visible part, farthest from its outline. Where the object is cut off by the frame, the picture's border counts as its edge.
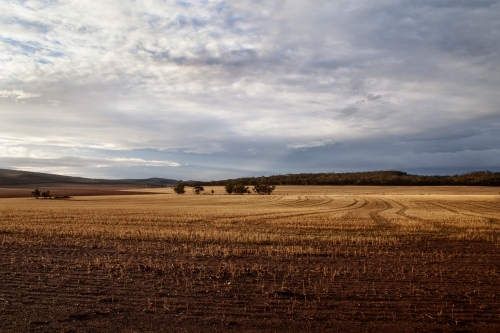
(60, 281)
(448, 286)
(24, 191)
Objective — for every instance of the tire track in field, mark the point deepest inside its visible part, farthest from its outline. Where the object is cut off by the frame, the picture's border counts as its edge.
(487, 216)
(323, 211)
(269, 198)
(452, 210)
(447, 228)
(402, 212)
(315, 211)
(492, 209)
(280, 215)
(315, 201)
(307, 203)
(379, 219)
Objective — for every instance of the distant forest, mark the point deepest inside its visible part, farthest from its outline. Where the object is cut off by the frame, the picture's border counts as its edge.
(394, 178)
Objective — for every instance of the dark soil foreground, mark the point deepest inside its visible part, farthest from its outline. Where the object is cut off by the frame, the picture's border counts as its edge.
(426, 286)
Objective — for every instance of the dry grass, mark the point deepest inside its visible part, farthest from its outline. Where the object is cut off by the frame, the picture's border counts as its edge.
(303, 259)
(297, 220)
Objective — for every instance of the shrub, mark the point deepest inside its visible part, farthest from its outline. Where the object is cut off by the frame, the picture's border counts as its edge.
(179, 188)
(229, 187)
(197, 189)
(264, 189)
(239, 188)
(36, 193)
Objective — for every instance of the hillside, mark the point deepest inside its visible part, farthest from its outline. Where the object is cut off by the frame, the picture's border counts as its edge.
(387, 178)
(15, 177)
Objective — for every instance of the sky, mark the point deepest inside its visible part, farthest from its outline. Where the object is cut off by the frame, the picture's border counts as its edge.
(214, 89)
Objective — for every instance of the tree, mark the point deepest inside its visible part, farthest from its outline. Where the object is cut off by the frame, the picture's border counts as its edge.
(197, 189)
(179, 187)
(264, 189)
(46, 194)
(236, 188)
(239, 188)
(229, 187)
(36, 193)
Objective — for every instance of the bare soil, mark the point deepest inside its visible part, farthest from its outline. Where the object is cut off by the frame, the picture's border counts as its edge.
(56, 189)
(57, 281)
(428, 286)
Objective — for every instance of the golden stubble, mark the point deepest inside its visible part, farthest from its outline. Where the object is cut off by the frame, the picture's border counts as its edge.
(295, 220)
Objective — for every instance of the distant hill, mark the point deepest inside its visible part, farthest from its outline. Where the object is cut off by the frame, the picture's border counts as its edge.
(392, 178)
(150, 181)
(15, 177)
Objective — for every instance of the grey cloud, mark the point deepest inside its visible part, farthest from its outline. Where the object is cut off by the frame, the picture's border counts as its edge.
(311, 144)
(201, 80)
(373, 97)
(348, 111)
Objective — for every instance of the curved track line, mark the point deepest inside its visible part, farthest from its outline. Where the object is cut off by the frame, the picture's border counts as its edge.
(454, 210)
(481, 207)
(402, 212)
(379, 219)
(280, 215)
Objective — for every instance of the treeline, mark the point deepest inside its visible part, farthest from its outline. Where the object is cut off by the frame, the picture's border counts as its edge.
(388, 178)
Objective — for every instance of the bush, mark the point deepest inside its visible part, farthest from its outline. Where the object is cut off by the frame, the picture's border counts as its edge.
(229, 187)
(264, 189)
(179, 188)
(36, 193)
(236, 188)
(46, 194)
(239, 188)
(197, 189)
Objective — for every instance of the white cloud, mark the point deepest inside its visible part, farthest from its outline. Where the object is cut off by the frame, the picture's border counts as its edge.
(71, 158)
(206, 78)
(17, 94)
(7, 151)
(251, 151)
(19, 151)
(138, 162)
(210, 149)
(311, 144)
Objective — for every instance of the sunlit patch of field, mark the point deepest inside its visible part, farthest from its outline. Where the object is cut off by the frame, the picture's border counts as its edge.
(304, 257)
(300, 216)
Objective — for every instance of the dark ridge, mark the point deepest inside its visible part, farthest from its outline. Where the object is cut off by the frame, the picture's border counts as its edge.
(387, 178)
(15, 177)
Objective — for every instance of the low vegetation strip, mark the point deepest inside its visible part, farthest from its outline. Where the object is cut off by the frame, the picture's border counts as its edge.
(380, 178)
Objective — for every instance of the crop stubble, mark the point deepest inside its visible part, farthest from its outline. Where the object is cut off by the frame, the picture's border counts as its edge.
(307, 258)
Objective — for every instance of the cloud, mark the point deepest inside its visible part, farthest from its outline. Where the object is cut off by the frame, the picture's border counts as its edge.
(312, 144)
(73, 158)
(197, 81)
(210, 149)
(251, 151)
(19, 151)
(137, 162)
(373, 97)
(17, 94)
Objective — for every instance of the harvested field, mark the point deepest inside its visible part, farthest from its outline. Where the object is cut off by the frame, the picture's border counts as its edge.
(304, 259)
(56, 189)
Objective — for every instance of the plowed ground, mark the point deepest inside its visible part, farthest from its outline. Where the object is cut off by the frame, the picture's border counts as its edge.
(300, 260)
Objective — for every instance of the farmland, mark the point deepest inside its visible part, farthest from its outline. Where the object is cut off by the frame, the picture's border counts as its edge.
(306, 258)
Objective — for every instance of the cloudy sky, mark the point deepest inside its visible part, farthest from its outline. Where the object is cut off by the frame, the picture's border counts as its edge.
(214, 89)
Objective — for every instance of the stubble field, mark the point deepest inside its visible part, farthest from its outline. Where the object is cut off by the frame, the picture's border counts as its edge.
(303, 259)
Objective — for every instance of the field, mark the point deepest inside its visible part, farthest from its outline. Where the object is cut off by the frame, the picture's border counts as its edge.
(306, 258)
